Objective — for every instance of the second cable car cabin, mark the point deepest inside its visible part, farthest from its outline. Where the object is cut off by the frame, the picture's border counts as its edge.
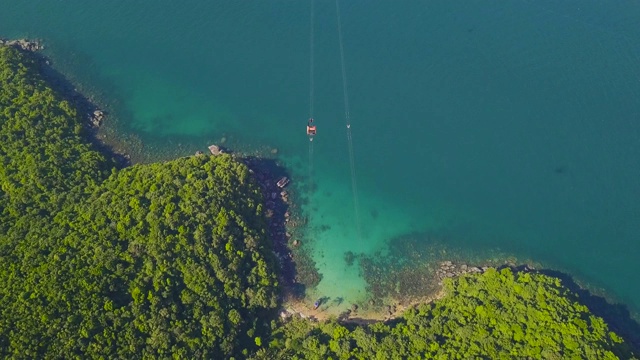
(311, 129)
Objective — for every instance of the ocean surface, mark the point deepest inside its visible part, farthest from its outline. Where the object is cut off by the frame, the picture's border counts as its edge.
(492, 129)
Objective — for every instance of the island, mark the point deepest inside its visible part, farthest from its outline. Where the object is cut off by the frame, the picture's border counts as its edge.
(103, 259)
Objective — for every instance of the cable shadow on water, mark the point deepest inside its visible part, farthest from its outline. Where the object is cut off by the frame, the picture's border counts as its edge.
(354, 183)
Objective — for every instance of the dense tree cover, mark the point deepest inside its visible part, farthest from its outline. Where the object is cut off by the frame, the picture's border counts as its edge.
(151, 261)
(495, 315)
(44, 157)
(160, 260)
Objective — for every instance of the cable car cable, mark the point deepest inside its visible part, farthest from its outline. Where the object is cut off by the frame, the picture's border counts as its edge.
(311, 60)
(311, 91)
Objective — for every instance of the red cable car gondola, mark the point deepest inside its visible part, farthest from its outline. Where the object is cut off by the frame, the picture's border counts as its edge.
(311, 129)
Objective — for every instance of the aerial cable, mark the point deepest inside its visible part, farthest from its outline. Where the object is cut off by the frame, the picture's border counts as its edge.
(311, 92)
(311, 60)
(347, 116)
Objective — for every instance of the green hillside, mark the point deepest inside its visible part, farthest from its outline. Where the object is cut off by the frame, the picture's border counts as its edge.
(495, 315)
(154, 260)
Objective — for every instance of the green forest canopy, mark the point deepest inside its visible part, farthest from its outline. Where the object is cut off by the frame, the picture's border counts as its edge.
(173, 260)
(495, 315)
(153, 260)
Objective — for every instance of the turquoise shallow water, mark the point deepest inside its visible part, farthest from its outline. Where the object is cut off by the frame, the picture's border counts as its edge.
(508, 126)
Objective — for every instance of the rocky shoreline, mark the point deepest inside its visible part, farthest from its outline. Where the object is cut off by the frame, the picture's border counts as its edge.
(285, 221)
(24, 44)
(385, 310)
(93, 115)
(448, 269)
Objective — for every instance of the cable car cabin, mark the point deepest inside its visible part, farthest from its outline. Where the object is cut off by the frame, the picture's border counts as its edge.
(311, 129)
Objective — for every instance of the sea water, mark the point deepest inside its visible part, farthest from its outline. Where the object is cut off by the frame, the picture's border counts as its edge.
(487, 127)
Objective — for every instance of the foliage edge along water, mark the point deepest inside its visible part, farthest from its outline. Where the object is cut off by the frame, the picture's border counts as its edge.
(173, 260)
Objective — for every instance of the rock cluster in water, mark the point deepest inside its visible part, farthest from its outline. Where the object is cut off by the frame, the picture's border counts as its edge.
(96, 118)
(447, 269)
(24, 44)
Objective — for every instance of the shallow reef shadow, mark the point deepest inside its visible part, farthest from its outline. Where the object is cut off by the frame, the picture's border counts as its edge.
(616, 315)
(84, 104)
(298, 271)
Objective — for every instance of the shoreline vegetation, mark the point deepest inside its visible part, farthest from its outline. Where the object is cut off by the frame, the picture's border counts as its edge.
(205, 256)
